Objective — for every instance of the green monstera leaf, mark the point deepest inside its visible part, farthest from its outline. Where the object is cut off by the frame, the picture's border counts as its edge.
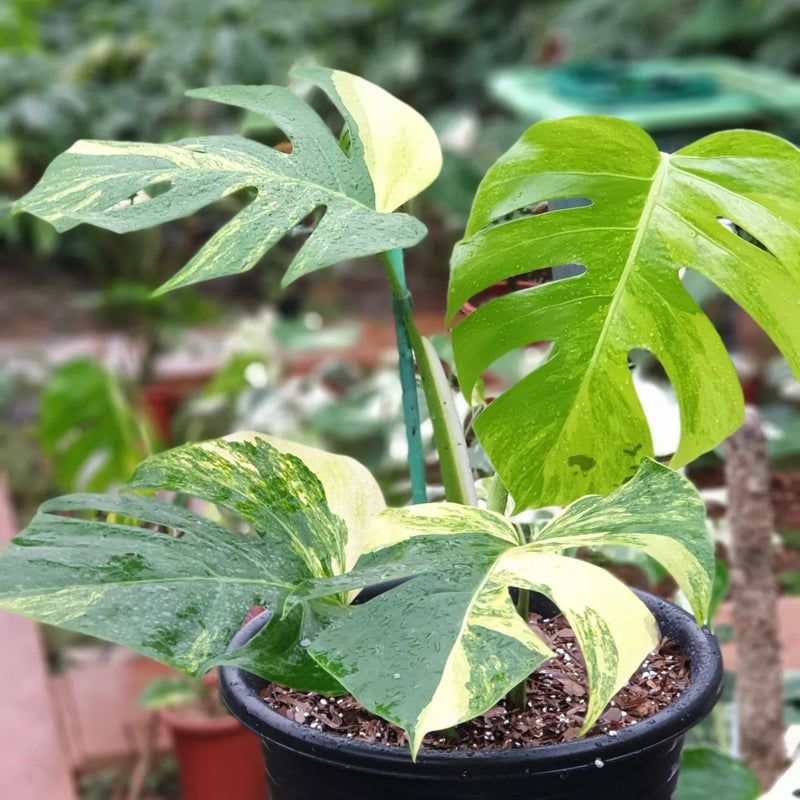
(575, 426)
(391, 155)
(447, 644)
(706, 772)
(176, 585)
(176, 597)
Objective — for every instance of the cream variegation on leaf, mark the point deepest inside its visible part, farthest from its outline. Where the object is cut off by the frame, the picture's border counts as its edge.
(176, 585)
(392, 154)
(448, 643)
(642, 217)
(438, 649)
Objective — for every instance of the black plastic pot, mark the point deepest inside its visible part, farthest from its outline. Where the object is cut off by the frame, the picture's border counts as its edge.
(639, 763)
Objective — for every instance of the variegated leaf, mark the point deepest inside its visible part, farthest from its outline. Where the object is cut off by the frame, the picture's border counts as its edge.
(451, 642)
(176, 598)
(615, 630)
(399, 147)
(642, 217)
(129, 186)
(272, 490)
(351, 491)
(658, 512)
(448, 643)
(437, 649)
(278, 651)
(443, 519)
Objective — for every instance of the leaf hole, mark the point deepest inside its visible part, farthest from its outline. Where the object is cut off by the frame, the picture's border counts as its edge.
(112, 518)
(510, 368)
(742, 233)
(539, 208)
(303, 229)
(539, 603)
(330, 115)
(704, 292)
(659, 403)
(263, 130)
(145, 194)
(522, 282)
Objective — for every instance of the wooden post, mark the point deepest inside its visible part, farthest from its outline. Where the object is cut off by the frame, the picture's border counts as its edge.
(759, 688)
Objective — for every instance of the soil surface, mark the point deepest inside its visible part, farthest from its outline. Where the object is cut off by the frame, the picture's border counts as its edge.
(556, 705)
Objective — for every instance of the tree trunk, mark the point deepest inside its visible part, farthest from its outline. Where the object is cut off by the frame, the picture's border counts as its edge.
(759, 689)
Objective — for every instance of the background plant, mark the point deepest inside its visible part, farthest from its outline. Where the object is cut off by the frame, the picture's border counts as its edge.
(319, 518)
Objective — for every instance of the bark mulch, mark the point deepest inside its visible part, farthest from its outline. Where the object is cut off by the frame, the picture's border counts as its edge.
(556, 704)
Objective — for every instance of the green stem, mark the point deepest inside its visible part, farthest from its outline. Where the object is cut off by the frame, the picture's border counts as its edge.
(498, 495)
(519, 694)
(408, 381)
(497, 501)
(450, 735)
(447, 431)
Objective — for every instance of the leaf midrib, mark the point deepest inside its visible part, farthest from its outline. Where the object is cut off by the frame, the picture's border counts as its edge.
(648, 209)
(213, 579)
(247, 170)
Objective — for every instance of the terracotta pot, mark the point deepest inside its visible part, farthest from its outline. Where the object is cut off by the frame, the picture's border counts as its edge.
(218, 759)
(163, 399)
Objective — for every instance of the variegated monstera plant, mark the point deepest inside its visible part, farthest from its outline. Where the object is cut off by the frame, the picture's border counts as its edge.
(447, 643)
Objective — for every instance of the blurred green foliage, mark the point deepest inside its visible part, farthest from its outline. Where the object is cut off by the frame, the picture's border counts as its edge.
(706, 772)
(109, 70)
(92, 430)
(104, 69)
(761, 30)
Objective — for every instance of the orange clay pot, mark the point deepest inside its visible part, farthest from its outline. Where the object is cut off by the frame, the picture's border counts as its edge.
(217, 757)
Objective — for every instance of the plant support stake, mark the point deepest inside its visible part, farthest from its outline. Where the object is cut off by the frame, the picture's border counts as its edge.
(459, 486)
(401, 304)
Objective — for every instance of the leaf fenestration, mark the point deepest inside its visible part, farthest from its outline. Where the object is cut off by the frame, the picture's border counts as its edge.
(271, 490)
(657, 512)
(106, 183)
(650, 215)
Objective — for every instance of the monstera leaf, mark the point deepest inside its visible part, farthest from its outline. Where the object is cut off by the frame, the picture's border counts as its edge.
(446, 645)
(389, 155)
(136, 585)
(575, 425)
(175, 585)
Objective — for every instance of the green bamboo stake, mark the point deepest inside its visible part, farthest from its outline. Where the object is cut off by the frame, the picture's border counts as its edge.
(447, 431)
(401, 308)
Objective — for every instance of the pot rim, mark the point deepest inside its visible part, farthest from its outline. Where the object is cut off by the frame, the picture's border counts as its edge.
(239, 691)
